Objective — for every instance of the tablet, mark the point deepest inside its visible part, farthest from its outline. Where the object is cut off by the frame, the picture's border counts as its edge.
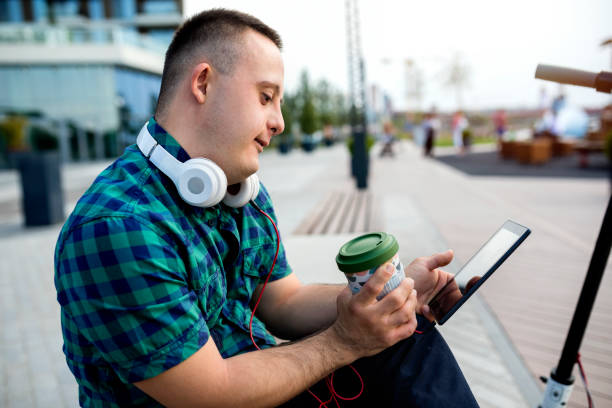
(477, 270)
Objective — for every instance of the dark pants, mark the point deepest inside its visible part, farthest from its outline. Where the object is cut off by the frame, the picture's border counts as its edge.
(429, 141)
(418, 372)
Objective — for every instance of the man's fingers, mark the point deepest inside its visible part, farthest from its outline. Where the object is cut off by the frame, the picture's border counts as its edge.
(397, 298)
(426, 311)
(375, 284)
(406, 319)
(437, 260)
(406, 312)
(472, 282)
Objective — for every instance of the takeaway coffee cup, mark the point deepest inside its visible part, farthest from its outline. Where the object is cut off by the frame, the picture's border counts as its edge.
(360, 257)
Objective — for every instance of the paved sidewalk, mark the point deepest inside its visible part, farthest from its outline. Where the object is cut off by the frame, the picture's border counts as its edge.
(495, 373)
(536, 294)
(33, 371)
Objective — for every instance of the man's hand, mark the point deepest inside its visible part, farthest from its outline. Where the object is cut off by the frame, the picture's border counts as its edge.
(449, 296)
(367, 325)
(428, 279)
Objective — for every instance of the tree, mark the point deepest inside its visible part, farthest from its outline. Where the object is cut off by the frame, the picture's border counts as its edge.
(289, 109)
(308, 117)
(323, 97)
(457, 77)
(330, 104)
(414, 85)
(340, 109)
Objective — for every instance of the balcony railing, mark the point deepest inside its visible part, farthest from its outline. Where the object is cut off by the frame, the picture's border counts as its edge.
(49, 35)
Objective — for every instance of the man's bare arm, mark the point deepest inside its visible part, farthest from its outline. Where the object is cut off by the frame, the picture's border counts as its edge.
(262, 378)
(364, 327)
(292, 310)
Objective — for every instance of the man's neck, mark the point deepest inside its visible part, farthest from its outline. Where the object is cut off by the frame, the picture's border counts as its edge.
(178, 126)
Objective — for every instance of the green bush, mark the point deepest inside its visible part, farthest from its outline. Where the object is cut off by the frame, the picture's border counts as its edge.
(369, 143)
(13, 131)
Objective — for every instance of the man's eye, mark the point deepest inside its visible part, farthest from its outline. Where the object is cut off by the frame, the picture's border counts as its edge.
(265, 97)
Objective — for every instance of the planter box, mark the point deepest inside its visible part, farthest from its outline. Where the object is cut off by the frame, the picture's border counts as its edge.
(534, 151)
(507, 149)
(284, 148)
(562, 148)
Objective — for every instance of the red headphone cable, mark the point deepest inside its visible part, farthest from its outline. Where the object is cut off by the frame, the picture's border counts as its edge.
(328, 380)
(584, 380)
(269, 273)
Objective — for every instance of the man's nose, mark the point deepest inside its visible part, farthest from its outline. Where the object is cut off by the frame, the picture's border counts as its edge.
(277, 123)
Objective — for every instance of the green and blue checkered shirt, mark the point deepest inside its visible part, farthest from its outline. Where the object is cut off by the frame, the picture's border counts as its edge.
(145, 279)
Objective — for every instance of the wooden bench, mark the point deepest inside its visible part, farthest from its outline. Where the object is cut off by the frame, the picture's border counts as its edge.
(342, 212)
(594, 142)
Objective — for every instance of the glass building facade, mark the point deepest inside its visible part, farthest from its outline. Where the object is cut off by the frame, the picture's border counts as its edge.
(91, 95)
(83, 89)
(17, 11)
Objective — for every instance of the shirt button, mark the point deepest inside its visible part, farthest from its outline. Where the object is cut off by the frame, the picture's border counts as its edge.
(211, 223)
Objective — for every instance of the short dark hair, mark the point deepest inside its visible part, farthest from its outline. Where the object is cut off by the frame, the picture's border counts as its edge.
(212, 33)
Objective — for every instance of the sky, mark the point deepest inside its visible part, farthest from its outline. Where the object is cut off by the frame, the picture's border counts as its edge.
(499, 42)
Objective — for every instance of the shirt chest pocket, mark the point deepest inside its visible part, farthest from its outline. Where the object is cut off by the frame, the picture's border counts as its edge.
(211, 289)
(253, 266)
(256, 264)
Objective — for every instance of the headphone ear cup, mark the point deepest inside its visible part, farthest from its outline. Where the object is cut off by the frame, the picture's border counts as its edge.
(201, 182)
(248, 190)
(254, 179)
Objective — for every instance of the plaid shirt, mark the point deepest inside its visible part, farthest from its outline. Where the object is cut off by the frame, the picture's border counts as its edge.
(144, 279)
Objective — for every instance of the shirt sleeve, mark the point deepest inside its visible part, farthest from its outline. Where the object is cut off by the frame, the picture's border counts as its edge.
(124, 286)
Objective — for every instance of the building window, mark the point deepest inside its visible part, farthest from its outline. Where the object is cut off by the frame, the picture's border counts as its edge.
(158, 7)
(65, 8)
(11, 11)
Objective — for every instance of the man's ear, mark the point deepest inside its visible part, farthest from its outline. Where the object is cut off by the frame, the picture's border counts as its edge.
(200, 78)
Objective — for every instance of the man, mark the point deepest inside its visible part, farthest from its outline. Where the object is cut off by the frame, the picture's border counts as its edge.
(156, 294)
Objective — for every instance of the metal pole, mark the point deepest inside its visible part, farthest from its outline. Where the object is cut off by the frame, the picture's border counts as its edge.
(587, 297)
(358, 117)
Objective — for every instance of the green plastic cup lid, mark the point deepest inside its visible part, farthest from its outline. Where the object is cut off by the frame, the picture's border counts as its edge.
(366, 252)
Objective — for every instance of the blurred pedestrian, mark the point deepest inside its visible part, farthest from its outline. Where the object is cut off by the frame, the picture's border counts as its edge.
(500, 124)
(459, 125)
(431, 125)
(430, 135)
(388, 140)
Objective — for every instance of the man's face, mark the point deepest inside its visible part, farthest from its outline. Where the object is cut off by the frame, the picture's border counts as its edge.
(243, 108)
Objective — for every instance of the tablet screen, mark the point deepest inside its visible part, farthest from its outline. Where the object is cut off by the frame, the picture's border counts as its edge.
(477, 270)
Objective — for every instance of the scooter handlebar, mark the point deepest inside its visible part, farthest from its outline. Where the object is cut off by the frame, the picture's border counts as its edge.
(566, 75)
(600, 81)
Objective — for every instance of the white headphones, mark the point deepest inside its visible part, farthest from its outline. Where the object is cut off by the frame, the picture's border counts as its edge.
(199, 181)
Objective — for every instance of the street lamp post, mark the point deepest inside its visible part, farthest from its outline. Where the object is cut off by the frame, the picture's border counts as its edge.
(358, 119)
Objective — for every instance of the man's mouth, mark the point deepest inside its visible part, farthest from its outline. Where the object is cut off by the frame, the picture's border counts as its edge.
(262, 143)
